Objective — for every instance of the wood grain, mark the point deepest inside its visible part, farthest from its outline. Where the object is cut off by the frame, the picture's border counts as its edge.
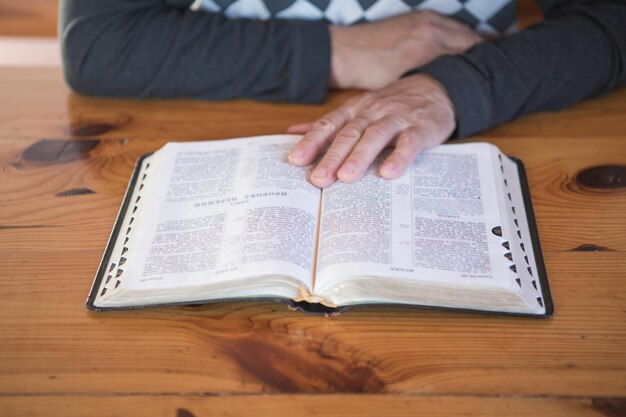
(59, 203)
(103, 172)
(261, 347)
(64, 164)
(28, 18)
(322, 405)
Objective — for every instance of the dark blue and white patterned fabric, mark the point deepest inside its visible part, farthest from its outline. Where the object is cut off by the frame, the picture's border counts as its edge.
(489, 17)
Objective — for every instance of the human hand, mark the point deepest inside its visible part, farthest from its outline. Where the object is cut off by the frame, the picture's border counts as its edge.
(412, 114)
(372, 55)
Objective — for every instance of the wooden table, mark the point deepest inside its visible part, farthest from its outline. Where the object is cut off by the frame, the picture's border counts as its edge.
(65, 161)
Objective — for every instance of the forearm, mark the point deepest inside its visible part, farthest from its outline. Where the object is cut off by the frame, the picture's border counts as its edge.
(153, 49)
(579, 51)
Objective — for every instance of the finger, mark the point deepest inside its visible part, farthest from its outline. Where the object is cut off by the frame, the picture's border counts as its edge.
(299, 129)
(408, 146)
(459, 36)
(326, 171)
(462, 40)
(316, 138)
(459, 40)
(446, 22)
(374, 140)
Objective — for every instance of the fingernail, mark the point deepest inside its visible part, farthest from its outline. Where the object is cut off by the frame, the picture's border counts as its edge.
(389, 167)
(319, 173)
(348, 169)
(297, 153)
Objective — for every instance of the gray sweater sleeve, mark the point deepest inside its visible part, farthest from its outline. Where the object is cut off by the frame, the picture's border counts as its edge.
(578, 51)
(160, 48)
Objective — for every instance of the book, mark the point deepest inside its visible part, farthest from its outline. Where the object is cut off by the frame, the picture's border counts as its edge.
(227, 220)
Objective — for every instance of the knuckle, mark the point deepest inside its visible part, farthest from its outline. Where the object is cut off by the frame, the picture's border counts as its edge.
(332, 159)
(377, 130)
(309, 141)
(408, 148)
(429, 19)
(409, 138)
(325, 123)
(388, 99)
(410, 141)
(396, 119)
(344, 142)
(359, 155)
(378, 104)
(349, 132)
(368, 98)
(344, 112)
(431, 31)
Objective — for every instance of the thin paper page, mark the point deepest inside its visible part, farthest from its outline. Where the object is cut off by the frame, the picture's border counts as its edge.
(226, 210)
(454, 207)
(434, 223)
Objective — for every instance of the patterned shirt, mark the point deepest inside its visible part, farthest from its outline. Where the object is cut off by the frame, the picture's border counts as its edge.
(206, 49)
(488, 17)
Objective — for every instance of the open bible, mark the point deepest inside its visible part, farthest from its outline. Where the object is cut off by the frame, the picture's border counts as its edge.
(233, 220)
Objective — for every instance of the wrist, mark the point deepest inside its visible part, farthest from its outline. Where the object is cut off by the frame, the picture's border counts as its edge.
(438, 94)
(441, 91)
(338, 59)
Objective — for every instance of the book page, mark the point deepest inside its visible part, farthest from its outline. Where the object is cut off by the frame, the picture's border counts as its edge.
(432, 224)
(223, 211)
